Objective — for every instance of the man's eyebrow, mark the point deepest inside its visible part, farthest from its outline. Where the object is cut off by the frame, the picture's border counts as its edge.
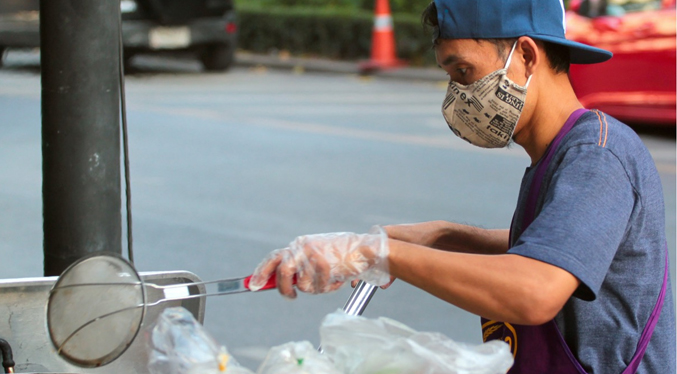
(449, 60)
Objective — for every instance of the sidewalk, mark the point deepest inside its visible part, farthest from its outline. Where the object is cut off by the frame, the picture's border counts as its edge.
(340, 67)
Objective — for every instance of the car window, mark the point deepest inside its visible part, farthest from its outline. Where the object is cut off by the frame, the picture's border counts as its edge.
(596, 8)
(624, 6)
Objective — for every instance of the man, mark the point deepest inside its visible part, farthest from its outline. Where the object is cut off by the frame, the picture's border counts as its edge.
(579, 284)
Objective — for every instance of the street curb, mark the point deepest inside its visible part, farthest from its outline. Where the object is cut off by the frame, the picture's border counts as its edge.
(298, 64)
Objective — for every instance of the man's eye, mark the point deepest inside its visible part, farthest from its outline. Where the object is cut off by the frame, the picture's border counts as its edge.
(462, 71)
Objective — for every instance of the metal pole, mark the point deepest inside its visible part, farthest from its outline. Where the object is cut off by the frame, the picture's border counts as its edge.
(80, 130)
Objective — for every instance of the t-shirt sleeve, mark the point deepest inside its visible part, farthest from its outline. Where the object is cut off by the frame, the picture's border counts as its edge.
(584, 217)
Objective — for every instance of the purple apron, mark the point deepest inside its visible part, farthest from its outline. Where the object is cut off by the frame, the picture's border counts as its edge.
(542, 349)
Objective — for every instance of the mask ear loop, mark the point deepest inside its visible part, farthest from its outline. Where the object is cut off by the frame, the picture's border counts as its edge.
(507, 63)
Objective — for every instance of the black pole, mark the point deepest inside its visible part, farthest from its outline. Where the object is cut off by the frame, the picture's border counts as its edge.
(80, 130)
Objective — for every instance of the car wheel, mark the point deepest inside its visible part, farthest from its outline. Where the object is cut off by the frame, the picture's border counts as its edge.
(2, 54)
(217, 57)
(127, 60)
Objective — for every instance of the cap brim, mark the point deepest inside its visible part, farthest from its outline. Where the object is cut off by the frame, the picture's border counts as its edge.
(579, 53)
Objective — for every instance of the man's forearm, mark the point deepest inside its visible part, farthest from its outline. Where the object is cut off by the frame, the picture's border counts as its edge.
(449, 236)
(508, 288)
(469, 239)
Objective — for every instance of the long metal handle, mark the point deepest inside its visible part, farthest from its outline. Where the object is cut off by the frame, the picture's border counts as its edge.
(359, 299)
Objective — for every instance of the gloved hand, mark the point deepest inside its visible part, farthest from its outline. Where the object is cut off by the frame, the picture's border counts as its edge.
(323, 262)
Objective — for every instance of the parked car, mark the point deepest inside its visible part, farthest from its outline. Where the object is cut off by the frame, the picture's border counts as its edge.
(206, 28)
(638, 84)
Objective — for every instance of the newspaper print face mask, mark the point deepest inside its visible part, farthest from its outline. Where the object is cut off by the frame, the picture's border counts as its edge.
(485, 112)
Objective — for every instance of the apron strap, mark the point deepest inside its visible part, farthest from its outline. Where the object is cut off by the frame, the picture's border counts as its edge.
(534, 191)
(651, 323)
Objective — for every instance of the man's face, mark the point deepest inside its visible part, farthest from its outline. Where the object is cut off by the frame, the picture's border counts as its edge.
(467, 60)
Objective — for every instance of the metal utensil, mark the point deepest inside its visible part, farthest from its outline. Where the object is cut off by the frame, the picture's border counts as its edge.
(359, 299)
(97, 306)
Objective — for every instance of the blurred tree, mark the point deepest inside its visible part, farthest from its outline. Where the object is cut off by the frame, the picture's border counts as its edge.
(397, 6)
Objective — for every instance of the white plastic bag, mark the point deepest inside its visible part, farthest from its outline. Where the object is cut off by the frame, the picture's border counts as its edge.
(296, 358)
(358, 345)
(180, 345)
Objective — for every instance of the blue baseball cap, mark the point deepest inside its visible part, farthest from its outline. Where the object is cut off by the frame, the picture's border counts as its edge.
(502, 19)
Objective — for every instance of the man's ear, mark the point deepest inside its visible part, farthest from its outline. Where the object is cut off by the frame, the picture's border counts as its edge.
(530, 54)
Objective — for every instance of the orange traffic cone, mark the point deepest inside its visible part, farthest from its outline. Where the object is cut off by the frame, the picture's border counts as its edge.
(382, 41)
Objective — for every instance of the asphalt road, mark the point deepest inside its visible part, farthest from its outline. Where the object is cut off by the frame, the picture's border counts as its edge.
(226, 167)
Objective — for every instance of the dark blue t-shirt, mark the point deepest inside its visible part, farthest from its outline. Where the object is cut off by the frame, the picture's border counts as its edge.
(600, 216)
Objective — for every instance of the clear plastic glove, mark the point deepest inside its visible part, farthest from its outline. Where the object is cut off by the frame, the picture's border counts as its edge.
(323, 262)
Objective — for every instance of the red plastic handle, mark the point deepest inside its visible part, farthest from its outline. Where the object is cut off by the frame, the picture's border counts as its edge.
(272, 282)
